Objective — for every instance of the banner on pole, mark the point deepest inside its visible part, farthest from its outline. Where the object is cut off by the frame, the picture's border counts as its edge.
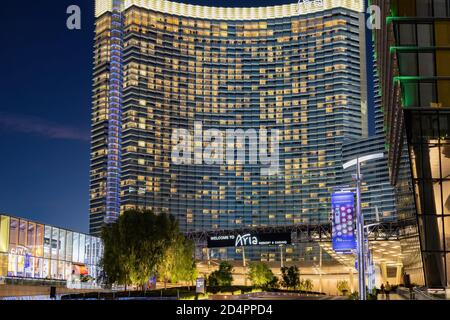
(343, 225)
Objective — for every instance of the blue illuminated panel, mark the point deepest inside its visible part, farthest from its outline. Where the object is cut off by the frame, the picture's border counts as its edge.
(114, 116)
(343, 213)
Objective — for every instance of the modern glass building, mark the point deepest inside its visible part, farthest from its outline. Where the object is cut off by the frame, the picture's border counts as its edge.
(413, 54)
(229, 68)
(160, 66)
(31, 250)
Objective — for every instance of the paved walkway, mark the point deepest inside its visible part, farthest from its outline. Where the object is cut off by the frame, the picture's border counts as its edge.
(392, 296)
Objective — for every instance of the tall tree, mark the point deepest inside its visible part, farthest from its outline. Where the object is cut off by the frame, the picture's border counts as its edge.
(290, 277)
(222, 277)
(260, 275)
(135, 244)
(178, 263)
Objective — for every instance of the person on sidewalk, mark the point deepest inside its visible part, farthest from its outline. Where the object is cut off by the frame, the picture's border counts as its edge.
(388, 290)
(382, 291)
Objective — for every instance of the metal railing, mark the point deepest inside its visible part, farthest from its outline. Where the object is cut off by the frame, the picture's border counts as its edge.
(420, 293)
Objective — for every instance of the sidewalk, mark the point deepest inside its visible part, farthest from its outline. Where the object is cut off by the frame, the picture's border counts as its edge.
(392, 296)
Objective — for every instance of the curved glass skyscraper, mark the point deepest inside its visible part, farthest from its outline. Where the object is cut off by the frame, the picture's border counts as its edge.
(297, 68)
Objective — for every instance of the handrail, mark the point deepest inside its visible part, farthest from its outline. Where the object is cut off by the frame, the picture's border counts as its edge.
(422, 292)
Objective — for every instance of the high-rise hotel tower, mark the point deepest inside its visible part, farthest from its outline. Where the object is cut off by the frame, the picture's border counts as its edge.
(160, 65)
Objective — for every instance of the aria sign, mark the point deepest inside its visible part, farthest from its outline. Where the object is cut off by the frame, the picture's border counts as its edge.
(249, 239)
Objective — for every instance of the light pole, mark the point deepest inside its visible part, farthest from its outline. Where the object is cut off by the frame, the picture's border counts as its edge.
(360, 250)
(281, 257)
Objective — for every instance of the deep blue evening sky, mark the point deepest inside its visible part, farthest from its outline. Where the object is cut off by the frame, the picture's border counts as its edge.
(45, 101)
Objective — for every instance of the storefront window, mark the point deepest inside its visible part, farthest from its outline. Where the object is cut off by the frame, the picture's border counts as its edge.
(22, 232)
(31, 235)
(39, 240)
(12, 265)
(45, 268)
(55, 240)
(82, 249)
(88, 258)
(61, 271)
(20, 266)
(62, 245)
(54, 269)
(47, 241)
(3, 264)
(67, 270)
(13, 231)
(75, 247)
(38, 268)
(4, 234)
(29, 265)
(69, 246)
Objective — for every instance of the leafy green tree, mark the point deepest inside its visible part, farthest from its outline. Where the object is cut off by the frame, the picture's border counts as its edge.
(290, 277)
(261, 275)
(306, 285)
(222, 277)
(116, 268)
(135, 244)
(178, 263)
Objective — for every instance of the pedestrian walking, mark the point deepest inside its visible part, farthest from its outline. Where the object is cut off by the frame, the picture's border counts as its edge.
(388, 290)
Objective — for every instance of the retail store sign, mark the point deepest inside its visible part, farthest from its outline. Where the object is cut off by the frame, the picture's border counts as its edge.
(249, 239)
(19, 250)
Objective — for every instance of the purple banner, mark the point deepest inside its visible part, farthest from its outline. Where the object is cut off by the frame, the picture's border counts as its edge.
(343, 225)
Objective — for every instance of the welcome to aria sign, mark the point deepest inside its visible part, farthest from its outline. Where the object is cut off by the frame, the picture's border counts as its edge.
(249, 239)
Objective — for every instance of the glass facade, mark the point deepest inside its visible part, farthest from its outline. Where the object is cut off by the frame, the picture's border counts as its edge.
(37, 251)
(274, 73)
(239, 69)
(415, 52)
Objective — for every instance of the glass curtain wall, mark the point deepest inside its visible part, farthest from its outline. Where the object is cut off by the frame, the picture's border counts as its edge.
(33, 250)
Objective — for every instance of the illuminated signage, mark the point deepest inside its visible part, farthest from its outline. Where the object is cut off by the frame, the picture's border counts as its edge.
(343, 225)
(200, 286)
(249, 239)
(19, 250)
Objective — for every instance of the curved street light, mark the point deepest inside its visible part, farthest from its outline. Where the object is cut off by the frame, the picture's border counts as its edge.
(360, 251)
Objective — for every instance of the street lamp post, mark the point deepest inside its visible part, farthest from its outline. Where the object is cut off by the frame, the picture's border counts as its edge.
(361, 242)
(281, 257)
(360, 250)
